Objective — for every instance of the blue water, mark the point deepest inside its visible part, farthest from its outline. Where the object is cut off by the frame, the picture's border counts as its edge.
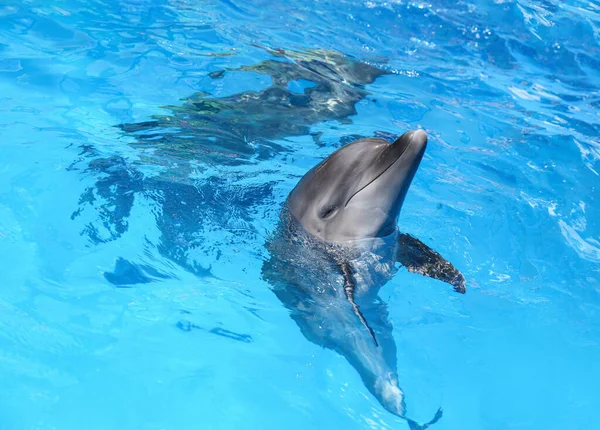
(131, 293)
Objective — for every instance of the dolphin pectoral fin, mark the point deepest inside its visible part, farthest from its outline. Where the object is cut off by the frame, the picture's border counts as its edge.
(349, 287)
(419, 258)
(414, 426)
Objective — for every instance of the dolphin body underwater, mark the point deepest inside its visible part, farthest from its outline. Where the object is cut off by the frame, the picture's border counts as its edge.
(337, 244)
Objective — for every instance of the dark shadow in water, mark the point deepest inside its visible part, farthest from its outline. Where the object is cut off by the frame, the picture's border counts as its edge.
(306, 89)
(182, 212)
(127, 274)
(111, 196)
(240, 337)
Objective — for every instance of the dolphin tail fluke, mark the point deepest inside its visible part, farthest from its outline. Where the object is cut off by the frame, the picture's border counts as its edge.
(415, 426)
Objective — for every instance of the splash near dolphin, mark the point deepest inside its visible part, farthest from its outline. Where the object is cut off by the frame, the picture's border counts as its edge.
(337, 244)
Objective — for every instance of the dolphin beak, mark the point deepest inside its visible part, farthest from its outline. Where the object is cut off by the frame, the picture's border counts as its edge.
(392, 173)
(416, 139)
(410, 147)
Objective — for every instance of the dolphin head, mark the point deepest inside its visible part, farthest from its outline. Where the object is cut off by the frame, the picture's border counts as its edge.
(357, 192)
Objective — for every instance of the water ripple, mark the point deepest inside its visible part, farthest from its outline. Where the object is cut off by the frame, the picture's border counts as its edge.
(150, 144)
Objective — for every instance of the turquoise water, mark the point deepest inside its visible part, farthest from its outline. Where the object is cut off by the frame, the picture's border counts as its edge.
(147, 147)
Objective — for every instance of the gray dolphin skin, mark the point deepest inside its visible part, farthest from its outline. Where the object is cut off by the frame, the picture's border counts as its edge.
(337, 244)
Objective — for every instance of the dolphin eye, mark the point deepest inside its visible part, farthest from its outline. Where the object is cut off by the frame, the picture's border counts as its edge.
(328, 211)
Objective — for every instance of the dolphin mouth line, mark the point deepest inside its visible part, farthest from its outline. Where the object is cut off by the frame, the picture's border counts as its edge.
(377, 177)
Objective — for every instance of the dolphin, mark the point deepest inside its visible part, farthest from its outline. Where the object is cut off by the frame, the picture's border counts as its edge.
(337, 243)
